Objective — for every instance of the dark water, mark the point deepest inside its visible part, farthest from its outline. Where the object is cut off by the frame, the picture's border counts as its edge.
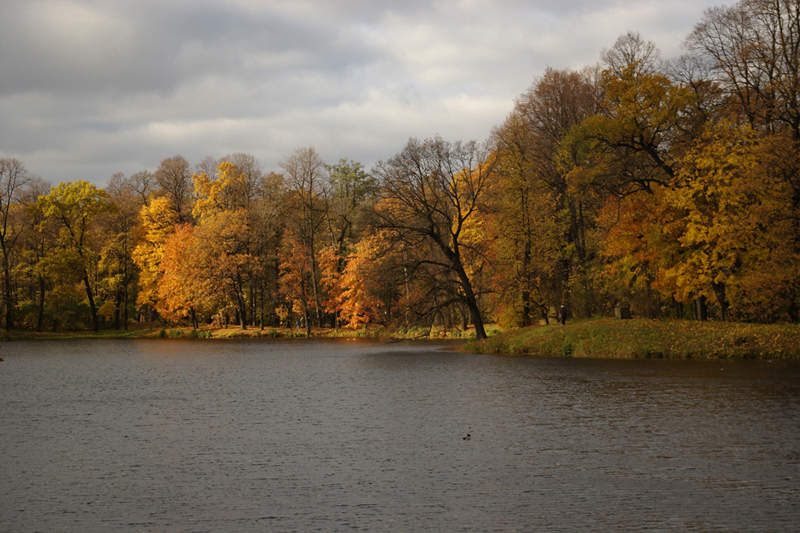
(355, 436)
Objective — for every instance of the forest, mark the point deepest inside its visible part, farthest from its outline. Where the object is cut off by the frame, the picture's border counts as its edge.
(670, 186)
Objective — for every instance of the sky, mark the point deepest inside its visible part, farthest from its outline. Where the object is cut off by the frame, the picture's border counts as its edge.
(89, 88)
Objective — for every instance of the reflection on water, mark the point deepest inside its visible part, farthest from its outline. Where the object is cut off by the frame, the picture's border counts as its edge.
(344, 435)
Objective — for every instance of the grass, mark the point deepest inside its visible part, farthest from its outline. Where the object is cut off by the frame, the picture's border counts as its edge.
(641, 338)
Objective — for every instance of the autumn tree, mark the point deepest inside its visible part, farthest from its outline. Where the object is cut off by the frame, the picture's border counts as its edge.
(374, 280)
(185, 288)
(632, 147)
(349, 199)
(538, 254)
(734, 226)
(752, 50)
(73, 207)
(243, 188)
(266, 223)
(428, 193)
(157, 221)
(251, 180)
(633, 143)
(296, 274)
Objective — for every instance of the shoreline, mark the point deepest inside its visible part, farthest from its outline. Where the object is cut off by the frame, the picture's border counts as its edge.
(599, 338)
(231, 333)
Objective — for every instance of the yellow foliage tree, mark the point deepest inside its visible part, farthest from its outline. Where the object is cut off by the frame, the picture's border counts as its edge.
(157, 223)
(735, 229)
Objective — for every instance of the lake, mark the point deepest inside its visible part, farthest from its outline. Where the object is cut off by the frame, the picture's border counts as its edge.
(324, 435)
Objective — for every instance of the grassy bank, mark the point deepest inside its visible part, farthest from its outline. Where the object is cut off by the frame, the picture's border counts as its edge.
(641, 338)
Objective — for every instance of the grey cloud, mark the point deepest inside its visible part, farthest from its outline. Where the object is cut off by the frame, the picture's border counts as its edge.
(123, 47)
(89, 88)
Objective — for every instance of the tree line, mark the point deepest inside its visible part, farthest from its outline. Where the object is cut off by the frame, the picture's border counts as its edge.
(669, 186)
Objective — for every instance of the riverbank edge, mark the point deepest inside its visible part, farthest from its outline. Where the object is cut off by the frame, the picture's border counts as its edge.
(608, 338)
(602, 338)
(233, 332)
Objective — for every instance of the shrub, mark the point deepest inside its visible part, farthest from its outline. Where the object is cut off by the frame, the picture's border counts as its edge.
(567, 349)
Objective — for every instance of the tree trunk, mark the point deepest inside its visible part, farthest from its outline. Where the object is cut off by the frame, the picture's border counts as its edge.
(454, 256)
(8, 292)
(40, 310)
(722, 300)
(92, 307)
(700, 309)
(242, 312)
(242, 303)
(117, 306)
(526, 292)
(125, 297)
(472, 302)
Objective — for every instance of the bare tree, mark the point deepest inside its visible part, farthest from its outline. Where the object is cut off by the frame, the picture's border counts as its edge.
(631, 51)
(430, 191)
(306, 179)
(13, 177)
(175, 179)
(252, 177)
(142, 183)
(753, 50)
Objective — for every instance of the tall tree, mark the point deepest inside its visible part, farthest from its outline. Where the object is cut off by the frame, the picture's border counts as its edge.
(73, 207)
(350, 194)
(13, 177)
(734, 226)
(157, 221)
(307, 180)
(116, 261)
(752, 50)
(546, 249)
(39, 239)
(430, 191)
(185, 289)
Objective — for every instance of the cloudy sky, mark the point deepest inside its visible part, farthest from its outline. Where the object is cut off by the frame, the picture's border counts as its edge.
(93, 87)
